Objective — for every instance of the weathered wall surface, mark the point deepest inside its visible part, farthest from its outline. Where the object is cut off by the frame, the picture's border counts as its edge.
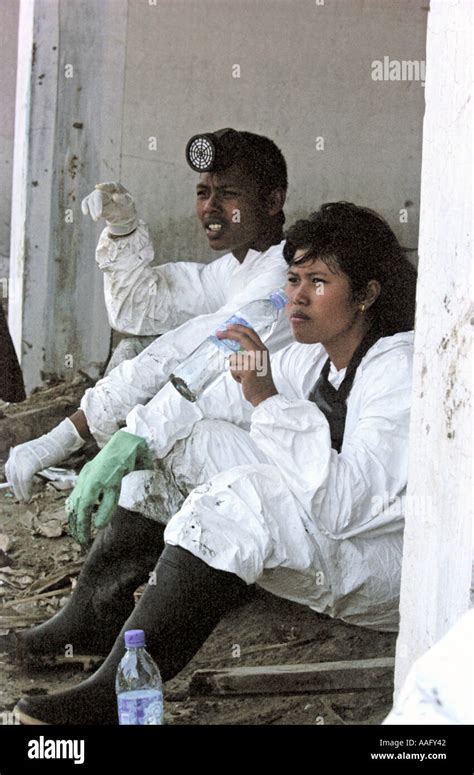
(148, 75)
(69, 132)
(9, 10)
(305, 72)
(438, 534)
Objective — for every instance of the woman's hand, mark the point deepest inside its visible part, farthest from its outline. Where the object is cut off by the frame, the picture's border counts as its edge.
(251, 365)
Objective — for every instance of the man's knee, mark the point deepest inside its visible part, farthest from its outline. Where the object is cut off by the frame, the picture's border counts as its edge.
(127, 349)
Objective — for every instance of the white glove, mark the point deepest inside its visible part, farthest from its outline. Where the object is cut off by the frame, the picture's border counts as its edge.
(27, 459)
(114, 203)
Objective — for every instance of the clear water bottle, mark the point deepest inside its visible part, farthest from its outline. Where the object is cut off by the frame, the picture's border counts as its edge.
(200, 369)
(138, 684)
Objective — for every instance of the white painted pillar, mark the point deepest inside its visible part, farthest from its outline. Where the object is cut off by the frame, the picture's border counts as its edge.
(67, 138)
(438, 536)
(9, 13)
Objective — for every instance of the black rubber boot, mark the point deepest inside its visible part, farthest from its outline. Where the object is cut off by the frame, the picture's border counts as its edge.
(120, 559)
(177, 613)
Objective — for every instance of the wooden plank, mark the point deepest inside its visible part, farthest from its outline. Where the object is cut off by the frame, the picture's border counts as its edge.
(20, 620)
(57, 577)
(259, 649)
(293, 679)
(34, 598)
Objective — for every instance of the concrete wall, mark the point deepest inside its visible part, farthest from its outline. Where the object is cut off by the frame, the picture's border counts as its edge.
(9, 10)
(305, 72)
(437, 557)
(164, 69)
(69, 118)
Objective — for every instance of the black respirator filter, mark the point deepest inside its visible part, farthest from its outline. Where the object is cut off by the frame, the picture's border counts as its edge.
(214, 151)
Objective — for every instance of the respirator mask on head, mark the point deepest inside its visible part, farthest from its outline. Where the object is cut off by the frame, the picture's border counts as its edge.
(215, 151)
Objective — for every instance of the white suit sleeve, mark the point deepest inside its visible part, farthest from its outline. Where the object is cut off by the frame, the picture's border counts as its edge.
(134, 382)
(169, 417)
(166, 419)
(340, 491)
(150, 300)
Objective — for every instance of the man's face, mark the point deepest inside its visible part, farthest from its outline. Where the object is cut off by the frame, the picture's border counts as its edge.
(230, 210)
(320, 308)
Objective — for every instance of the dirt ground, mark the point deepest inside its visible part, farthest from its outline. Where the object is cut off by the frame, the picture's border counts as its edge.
(38, 557)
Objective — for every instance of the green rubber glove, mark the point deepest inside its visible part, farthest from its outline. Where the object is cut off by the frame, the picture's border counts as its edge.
(101, 479)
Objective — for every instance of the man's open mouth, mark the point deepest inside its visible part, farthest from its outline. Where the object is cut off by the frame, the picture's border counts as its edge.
(214, 227)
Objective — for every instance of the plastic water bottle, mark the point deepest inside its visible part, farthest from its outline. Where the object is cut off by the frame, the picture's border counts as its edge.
(200, 369)
(138, 684)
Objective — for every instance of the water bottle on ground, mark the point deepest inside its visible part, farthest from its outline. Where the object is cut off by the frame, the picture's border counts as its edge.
(138, 684)
(201, 369)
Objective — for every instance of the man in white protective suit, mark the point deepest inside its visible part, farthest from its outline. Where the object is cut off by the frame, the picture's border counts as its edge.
(308, 504)
(239, 202)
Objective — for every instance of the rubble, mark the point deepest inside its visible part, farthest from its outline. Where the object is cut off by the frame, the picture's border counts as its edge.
(41, 411)
(39, 565)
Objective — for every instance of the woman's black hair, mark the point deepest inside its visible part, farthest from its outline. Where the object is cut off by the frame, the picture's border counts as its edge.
(360, 243)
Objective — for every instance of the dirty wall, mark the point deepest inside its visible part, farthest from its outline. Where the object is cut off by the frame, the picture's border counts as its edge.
(115, 90)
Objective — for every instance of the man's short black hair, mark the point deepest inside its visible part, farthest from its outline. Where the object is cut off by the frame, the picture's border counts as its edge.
(264, 161)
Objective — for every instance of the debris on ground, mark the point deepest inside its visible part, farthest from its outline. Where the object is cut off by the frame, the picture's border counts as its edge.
(39, 565)
(42, 571)
(41, 411)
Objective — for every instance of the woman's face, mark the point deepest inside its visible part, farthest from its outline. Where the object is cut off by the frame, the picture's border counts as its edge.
(320, 308)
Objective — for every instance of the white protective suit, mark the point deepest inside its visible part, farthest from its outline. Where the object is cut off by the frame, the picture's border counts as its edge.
(184, 301)
(277, 505)
(439, 688)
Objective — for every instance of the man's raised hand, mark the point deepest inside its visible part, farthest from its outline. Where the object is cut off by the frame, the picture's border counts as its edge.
(114, 203)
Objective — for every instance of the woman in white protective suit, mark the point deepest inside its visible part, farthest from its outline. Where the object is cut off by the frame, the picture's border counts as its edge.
(307, 504)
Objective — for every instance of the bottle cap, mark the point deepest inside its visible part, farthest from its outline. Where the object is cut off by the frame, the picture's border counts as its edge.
(134, 639)
(279, 299)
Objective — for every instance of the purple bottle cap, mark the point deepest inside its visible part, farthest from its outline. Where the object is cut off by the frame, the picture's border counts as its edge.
(279, 299)
(134, 639)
